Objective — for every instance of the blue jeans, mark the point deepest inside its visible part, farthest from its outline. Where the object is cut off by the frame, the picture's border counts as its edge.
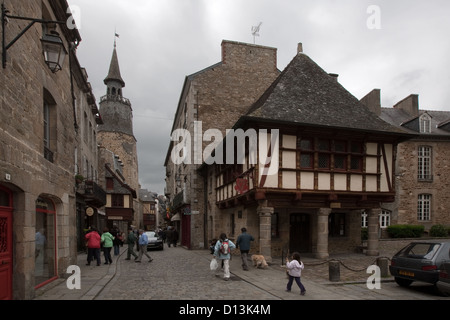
(297, 280)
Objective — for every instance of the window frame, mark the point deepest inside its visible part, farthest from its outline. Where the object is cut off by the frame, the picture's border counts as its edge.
(425, 163)
(425, 123)
(424, 206)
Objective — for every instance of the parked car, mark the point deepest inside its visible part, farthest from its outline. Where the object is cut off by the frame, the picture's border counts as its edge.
(419, 261)
(443, 284)
(154, 241)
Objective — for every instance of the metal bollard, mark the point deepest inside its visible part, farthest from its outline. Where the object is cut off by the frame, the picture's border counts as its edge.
(334, 271)
(383, 264)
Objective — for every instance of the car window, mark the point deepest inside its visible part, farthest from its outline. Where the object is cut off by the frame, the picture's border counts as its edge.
(420, 250)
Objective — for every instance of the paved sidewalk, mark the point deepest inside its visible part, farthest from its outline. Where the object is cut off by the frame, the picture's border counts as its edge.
(94, 279)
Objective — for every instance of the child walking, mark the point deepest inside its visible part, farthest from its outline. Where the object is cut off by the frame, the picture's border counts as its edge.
(295, 268)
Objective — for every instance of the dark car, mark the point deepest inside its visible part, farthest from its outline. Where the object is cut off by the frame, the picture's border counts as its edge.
(154, 241)
(443, 284)
(419, 261)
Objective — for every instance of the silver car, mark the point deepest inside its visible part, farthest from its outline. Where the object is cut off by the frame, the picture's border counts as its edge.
(154, 241)
(419, 261)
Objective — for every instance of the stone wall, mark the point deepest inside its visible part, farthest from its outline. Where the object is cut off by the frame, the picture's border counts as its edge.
(25, 84)
(408, 187)
(218, 96)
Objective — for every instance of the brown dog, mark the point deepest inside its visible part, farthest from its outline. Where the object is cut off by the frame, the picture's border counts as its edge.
(259, 261)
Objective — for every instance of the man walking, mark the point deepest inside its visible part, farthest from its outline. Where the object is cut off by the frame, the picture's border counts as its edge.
(143, 242)
(243, 243)
(131, 240)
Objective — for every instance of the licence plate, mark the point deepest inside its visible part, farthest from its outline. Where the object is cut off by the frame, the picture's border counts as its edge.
(406, 273)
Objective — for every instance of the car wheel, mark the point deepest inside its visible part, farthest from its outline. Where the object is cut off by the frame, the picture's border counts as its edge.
(403, 282)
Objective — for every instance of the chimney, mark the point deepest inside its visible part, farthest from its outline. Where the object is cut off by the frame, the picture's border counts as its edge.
(373, 101)
(410, 105)
(334, 76)
(300, 48)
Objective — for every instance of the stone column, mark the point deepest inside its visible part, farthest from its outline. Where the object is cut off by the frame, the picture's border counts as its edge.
(322, 233)
(265, 226)
(372, 241)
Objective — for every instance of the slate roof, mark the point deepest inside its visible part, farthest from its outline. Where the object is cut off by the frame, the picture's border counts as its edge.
(304, 94)
(114, 70)
(440, 120)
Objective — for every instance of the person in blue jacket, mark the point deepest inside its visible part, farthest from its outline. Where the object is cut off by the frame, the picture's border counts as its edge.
(222, 251)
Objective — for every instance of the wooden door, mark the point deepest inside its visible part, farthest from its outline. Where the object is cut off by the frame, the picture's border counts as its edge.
(185, 231)
(300, 233)
(6, 263)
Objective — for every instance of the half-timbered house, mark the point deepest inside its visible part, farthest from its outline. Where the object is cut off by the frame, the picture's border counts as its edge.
(329, 158)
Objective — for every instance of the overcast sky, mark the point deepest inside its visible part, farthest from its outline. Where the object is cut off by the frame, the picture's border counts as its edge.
(401, 47)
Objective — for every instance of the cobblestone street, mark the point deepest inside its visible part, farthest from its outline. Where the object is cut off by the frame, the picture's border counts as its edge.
(176, 274)
(179, 274)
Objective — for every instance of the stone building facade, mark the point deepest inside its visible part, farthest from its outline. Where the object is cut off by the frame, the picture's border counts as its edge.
(38, 141)
(213, 98)
(422, 163)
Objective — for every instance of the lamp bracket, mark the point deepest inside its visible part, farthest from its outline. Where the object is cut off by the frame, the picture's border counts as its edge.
(5, 17)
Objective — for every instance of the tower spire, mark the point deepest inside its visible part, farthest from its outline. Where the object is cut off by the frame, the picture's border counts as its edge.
(114, 69)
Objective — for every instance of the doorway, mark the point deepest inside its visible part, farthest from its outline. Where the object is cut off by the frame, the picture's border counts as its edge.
(300, 233)
(6, 261)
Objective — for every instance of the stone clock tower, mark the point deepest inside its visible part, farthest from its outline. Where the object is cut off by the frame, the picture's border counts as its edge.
(116, 132)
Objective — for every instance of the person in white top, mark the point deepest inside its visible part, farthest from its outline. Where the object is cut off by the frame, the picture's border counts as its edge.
(294, 269)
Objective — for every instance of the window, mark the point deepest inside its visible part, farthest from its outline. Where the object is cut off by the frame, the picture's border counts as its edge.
(324, 154)
(117, 200)
(364, 220)
(424, 207)
(385, 219)
(340, 157)
(49, 129)
(356, 149)
(425, 123)
(109, 184)
(47, 152)
(336, 224)
(307, 153)
(424, 163)
(45, 240)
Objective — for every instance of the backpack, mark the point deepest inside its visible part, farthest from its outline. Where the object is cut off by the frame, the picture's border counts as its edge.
(224, 248)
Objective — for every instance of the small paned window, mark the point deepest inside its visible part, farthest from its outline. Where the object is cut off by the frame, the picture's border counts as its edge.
(424, 163)
(424, 207)
(425, 123)
(307, 153)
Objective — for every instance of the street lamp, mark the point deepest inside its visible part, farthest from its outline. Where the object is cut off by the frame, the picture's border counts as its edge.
(53, 46)
(54, 51)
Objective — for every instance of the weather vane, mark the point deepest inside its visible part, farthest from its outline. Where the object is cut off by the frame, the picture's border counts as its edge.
(116, 35)
(255, 32)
